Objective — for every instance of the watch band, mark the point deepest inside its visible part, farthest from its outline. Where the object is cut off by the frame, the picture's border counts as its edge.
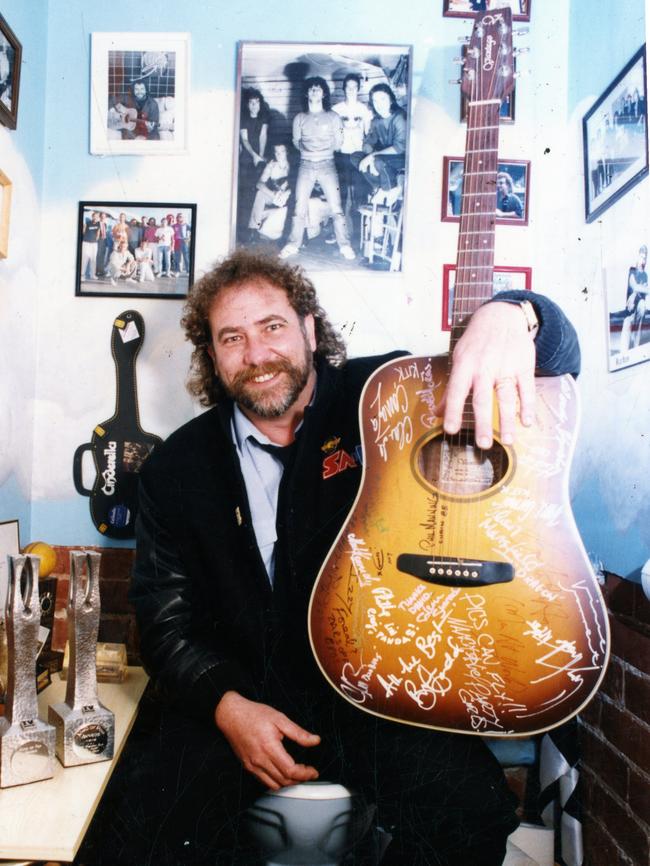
(532, 322)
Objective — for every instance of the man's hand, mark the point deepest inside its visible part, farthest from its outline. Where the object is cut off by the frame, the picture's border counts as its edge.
(495, 354)
(255, 732)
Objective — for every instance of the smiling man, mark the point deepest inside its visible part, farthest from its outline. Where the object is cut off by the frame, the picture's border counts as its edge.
(238, 510)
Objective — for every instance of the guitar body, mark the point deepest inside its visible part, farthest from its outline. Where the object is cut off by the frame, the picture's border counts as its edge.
(458, 595)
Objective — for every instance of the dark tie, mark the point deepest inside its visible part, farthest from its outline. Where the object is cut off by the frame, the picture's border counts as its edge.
(284, 453)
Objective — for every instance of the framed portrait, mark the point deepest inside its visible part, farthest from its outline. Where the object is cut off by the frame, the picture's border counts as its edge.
(309, 177)
(628, 306)
(503, 278)
(5, 214)
(469, 8)
(507, 110)
(615, 138)
(511, 197)
(139, 91)
(10, 56)
(135, 249)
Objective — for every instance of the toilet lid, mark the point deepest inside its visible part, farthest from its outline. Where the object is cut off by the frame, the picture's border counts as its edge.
(313, 791)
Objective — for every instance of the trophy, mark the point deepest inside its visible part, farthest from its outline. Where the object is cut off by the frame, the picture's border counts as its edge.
(85, 728)
(26, 742)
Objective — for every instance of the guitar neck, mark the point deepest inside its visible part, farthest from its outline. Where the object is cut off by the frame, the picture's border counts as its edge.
(475, 258)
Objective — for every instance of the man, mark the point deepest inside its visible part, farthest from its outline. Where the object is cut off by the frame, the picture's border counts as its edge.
(385, 146)
(636, 301)
(89, 240)
(317, 134)
(236, 516)
(102, 245)
(356, 118)
(145, 125)
(121, 263)
(165, 238)
(508, 203)
(181, 245)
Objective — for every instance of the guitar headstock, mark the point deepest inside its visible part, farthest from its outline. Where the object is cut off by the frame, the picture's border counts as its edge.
(488, 71)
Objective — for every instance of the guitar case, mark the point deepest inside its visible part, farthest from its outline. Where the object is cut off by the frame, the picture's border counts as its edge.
(118, 445)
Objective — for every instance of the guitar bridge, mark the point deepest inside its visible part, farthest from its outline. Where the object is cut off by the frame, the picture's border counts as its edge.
(455, 571)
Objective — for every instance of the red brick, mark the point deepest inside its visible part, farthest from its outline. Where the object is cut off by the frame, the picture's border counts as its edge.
(639, 795)
(627, 734)
(631, 646)
(606, 763)
(612, 684)
(630, 835)
(600, 848)
(637, 695)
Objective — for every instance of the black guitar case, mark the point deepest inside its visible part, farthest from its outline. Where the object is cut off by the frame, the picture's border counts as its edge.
(119, 445)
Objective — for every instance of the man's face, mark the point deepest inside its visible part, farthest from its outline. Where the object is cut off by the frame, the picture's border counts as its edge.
(180, 218)
(262, 351)
(502, 185)
(139, 91)
(381, 103)
(351, 88)
(94, 217)
(254, 106)
(315, 93)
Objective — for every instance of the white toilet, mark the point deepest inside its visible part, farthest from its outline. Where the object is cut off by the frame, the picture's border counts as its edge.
(312, 824)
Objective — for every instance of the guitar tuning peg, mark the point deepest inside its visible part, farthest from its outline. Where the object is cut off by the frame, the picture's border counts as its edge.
(458, 60)
(523, 73)
(455, 81)
(524, 50)
(464, 40)
(521, 31)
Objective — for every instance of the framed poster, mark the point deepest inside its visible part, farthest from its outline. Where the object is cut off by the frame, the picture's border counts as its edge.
(135, 249)
(503, 278)
(10, 57)
(5, 214)
(511, 197)
(310, 176)
(628, 306)
(615, 138)
(469, 8)
(139, 91)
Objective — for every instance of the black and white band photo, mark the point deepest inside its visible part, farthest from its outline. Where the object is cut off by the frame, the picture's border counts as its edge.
(321, 152)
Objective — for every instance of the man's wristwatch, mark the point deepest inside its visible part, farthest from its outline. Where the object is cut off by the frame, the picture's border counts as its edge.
(532, 322)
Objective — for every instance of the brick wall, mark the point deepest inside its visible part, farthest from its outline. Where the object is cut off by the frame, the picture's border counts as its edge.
(615, 739)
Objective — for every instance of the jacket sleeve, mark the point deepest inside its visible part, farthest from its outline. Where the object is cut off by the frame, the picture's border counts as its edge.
(179, 650)
(556, 343)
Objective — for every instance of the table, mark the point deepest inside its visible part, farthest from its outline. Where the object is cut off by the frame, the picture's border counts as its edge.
(47, 820)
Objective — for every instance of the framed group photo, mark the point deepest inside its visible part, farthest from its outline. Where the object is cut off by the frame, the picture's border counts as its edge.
(139, 92)
(10, 59)
(615, 138)
(135, 249)
(504, 278)
(309, 179)
(470, 8)
(512, 190)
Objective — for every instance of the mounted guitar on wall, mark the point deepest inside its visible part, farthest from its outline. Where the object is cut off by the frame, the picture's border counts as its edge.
(119, 445)
(458, 594)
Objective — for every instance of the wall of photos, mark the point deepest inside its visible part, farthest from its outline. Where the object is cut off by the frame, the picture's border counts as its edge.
(72, 385)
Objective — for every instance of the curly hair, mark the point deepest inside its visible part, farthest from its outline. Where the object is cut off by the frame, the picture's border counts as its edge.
(244, 266)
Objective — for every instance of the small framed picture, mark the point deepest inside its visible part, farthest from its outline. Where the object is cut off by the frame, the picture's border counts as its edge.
(507, 110)
(5, 214)
(512, 183)
(615, 138)
(470, 8)
(628, 306)
(10, 56)
(135, 249)
(139, 91)
(503, 278)
(321, 152)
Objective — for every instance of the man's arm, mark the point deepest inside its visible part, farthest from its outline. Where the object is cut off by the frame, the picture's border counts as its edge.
(497, 354)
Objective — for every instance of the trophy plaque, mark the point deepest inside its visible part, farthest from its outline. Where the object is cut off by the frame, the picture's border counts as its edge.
(85, 728)
(26, 742)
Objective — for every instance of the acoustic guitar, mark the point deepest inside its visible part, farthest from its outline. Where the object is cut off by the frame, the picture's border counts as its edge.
(458, 595)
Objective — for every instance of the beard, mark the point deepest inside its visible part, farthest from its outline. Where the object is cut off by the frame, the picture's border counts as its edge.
(275, 401)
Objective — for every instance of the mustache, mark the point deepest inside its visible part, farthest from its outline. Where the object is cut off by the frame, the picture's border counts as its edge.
(250, 373)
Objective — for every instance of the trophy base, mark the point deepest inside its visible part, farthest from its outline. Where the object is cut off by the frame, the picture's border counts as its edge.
(83, 736)
(26, 752)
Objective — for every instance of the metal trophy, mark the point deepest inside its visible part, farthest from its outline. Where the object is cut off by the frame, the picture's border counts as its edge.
(26, 742)
(85, 728)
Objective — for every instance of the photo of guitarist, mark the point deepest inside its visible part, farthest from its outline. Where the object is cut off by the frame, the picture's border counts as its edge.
(238, 509)
(135, 113)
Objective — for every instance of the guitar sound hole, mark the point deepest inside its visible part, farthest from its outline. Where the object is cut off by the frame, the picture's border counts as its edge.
(453, 464)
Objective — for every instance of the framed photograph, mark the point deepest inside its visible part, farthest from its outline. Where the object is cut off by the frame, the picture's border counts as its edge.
(628, 305)
(507, 110)
(511, 197)
(139, 91)
(310, 176)
(5, 214)
(10, 56)
(135, 249)
(503, 278)
(615, 138)
(469, 8)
